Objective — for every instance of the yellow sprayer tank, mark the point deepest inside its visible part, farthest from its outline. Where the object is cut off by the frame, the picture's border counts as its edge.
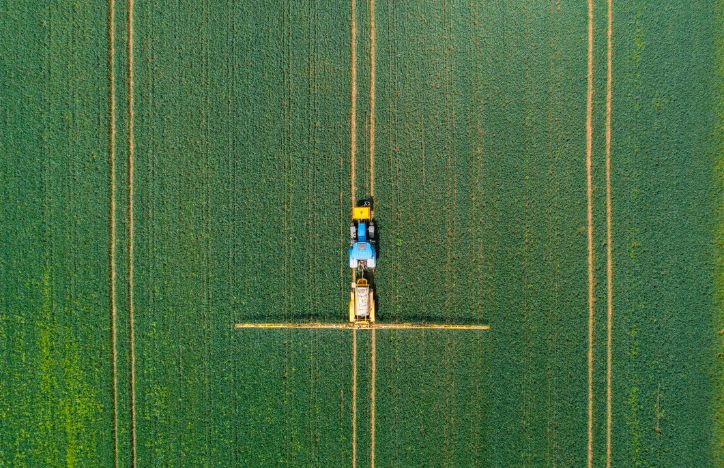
(361, 302)
(361, 213)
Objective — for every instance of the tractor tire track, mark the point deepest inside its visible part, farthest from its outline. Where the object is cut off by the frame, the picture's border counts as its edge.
(373, 341)
(112, 219)
(130, 233)
(353, 162)
(589, 185)
(609, 245)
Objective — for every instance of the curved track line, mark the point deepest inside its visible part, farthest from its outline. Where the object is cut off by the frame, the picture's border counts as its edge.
(131, 149)
(609, 247)
(589, 154)
(112, 217)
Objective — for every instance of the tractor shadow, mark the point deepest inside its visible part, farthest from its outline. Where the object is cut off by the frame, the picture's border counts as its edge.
(377, 241)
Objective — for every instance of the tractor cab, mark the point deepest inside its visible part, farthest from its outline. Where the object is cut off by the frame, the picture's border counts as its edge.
(362, 252)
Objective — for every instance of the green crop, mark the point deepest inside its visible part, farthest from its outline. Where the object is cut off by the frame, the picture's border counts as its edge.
(228, 128)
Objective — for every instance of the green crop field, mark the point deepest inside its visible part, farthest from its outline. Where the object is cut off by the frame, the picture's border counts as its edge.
(553, 169)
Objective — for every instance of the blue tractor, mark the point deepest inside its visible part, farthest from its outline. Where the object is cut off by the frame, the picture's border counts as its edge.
(362, 252)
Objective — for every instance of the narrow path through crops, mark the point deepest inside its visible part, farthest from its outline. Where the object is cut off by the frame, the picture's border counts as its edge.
(373, 340)
(589, 183)
(609, 241)
(131, 244)
(353, 181)
(112, 218)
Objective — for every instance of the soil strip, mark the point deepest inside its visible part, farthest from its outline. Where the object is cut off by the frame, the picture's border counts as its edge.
(131, 148)
(112, 217)
(353, 104)
(373, 74)
(373, 372)
(373, 342)
(353, 175)
(354, 398)
(609, 247)
(589, 153)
